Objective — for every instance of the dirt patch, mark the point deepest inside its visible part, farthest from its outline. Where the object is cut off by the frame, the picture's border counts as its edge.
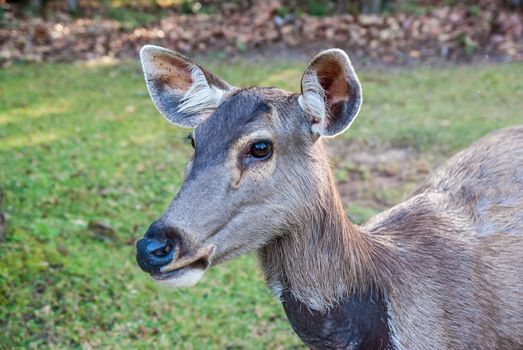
(375, 177)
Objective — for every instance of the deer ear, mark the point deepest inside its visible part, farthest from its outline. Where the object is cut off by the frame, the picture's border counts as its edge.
(330, 93)
(182, 91)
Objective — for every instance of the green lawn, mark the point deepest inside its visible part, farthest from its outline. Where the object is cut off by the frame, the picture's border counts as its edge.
(80, 143)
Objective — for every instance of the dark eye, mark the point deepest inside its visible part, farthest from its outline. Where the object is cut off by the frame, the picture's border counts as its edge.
(191, 140)
(261, 149)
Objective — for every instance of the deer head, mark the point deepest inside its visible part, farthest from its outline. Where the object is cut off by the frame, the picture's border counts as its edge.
(259, 167)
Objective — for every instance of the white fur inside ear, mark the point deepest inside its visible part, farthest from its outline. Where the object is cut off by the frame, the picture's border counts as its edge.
(188, 279)
(201, 97)
(312, 100)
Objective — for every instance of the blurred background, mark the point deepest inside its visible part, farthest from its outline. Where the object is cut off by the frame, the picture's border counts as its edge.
(386, 31)
(87, 163)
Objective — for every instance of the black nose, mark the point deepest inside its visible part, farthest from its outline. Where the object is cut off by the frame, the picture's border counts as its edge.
(155, 250)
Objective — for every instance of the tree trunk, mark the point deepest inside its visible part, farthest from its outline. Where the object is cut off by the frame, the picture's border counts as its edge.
(39, 7)
(72, 6)
(374, 6)
(341, 6)
(37, 4)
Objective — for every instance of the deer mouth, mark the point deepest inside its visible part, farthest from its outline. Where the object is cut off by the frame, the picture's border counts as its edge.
(186, 271)
(162, 276)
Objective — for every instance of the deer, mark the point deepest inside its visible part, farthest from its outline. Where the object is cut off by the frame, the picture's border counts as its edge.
(441, 270)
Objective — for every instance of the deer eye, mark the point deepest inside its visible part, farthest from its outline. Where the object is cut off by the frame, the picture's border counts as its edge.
(261, 149)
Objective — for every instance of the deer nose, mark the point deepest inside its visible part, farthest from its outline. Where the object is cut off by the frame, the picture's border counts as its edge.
(155, 250)
(153, 254)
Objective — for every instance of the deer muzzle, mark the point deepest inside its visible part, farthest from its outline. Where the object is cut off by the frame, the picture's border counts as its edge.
(161, 255)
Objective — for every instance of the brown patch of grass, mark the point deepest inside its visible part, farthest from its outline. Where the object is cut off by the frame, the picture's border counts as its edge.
(378, 177)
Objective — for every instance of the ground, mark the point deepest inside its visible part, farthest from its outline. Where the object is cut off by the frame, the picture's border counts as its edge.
(86, 164)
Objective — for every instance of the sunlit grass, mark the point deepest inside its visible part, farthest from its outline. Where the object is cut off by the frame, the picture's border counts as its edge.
(290, 78)
(29, 140)
(81, 143)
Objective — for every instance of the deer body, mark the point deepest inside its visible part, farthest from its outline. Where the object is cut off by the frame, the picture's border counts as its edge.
(442, 270)
(448, 273)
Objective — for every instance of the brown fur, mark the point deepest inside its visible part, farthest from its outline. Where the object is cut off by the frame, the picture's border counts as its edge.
(448, 262)
(450, 285)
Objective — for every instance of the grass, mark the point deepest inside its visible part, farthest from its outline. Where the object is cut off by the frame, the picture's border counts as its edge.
(80, 143)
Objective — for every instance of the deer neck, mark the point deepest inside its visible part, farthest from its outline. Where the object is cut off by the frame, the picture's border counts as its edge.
(325, 257)
(329, 275)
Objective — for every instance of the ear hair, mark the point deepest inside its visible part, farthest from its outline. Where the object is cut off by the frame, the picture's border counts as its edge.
(312, 100)
(200, 96)
(183, 92)
(331, 93)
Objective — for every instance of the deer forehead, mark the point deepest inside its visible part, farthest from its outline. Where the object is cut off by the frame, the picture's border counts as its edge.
(245, 116)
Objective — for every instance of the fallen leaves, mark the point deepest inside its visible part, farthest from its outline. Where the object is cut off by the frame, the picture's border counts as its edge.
(446, 32)
(102, 230)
